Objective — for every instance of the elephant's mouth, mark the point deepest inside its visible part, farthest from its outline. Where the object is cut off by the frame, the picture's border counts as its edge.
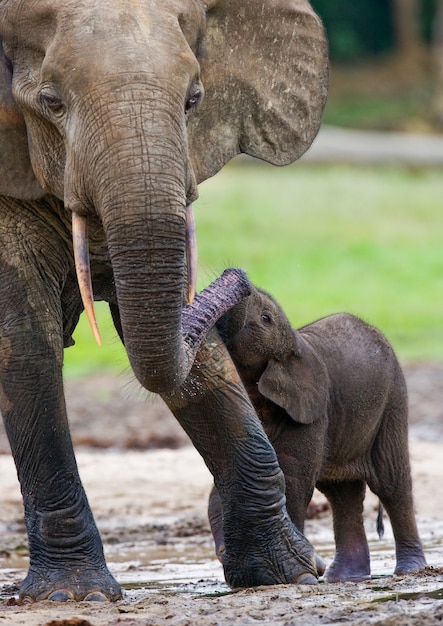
(83, 269)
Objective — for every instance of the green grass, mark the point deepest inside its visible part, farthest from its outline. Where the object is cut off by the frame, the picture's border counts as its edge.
(378, 112)
(321, 239)
(86, 356)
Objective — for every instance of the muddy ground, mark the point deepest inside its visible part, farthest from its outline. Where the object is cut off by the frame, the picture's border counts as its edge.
(148, 489)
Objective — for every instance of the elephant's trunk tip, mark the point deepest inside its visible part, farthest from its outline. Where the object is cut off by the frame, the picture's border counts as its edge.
(213, 302)
(237, 277)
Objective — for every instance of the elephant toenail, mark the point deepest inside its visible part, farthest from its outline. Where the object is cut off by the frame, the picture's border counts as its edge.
(27, 600)
(96, 596)
(61, 595)
(306, 579)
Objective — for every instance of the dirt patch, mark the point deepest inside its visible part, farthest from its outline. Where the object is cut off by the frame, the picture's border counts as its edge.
(150, 505)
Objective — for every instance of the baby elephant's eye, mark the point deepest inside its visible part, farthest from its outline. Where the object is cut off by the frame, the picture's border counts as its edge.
(265, 318)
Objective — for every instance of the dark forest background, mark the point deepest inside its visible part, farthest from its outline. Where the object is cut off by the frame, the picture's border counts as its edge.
(387, 63)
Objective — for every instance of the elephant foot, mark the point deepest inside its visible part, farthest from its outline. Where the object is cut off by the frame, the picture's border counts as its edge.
(70, 583)
(409, 560)
(282, 556)
(342, 575)
(348, 569)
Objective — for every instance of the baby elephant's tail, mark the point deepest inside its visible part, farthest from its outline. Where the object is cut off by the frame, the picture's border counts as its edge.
(380, 525)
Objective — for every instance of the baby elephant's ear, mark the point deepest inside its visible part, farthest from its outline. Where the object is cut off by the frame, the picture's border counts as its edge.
(299, 385)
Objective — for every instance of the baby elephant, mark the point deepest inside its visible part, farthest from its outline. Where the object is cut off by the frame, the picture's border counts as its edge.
(332, 399)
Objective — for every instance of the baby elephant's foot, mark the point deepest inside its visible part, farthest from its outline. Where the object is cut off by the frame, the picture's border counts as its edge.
(343, 569)
(94, 585)
(410, 559)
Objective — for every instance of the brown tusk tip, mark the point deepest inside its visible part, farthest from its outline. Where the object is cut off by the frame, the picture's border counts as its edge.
(83, 270)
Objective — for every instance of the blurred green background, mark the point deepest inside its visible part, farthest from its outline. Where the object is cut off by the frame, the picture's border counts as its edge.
(387, 63)
(327, 238)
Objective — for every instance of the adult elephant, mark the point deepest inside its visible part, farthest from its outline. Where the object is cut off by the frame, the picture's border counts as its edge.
(103, 124)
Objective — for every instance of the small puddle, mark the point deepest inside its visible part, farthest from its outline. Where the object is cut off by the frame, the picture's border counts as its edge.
(201, 588)
(177, 569)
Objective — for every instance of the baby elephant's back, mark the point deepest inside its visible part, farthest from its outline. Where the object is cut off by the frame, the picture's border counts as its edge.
(366, 381)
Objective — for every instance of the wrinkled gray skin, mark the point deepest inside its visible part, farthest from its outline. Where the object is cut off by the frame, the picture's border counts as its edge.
(115, 111)
(333, 402)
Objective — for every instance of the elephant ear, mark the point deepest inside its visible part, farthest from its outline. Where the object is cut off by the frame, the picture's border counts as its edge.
(264, 67)
(299, 384)
(16, 175)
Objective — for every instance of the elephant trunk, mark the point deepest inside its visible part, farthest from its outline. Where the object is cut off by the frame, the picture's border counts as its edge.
(233, 321)
(161, 334)
(148, 273)
(144, 215)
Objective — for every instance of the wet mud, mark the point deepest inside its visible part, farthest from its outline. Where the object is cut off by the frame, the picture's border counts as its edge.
(149, 499)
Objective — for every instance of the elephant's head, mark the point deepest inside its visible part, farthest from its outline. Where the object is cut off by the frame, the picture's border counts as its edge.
(120, 108)
(274, 358)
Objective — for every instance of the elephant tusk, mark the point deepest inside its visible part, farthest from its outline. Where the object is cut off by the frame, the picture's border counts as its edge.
(191, 253)
(81, 257)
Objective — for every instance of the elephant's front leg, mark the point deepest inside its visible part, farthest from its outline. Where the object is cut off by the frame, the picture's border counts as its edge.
(66, 555)
(262, 546)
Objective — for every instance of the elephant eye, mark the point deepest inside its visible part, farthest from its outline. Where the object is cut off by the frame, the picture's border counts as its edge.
(52, 102)
(192, 101)
(266, 319)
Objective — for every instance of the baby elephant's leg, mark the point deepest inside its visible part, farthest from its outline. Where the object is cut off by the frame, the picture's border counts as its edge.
(391, 482)
(351, 560)
(408, 547)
